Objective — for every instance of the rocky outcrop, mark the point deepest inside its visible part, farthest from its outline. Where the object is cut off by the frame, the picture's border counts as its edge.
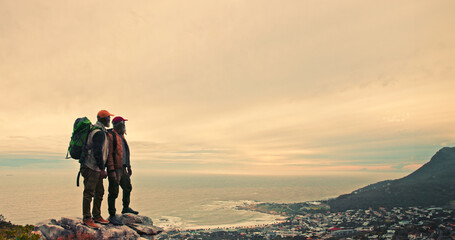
(135, 227)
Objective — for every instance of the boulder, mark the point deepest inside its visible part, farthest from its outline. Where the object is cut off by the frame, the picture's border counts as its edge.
(52, 232)
(136, 227)
(84, 232)
(48, 221)
(118, 232)
(129, 218)
(69, 223)
(146, 229)
(146, 220)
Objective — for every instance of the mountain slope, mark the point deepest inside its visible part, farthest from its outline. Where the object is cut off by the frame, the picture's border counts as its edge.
(431, 184)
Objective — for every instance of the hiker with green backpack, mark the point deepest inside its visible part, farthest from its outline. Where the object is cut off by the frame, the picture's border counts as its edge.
(93, 170)
(90, 145)
(93, 161)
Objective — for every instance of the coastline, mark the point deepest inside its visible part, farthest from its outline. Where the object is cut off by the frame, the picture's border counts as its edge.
(260, 219)
(274, 219)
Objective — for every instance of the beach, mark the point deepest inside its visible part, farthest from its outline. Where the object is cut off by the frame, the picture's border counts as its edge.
(253, 219)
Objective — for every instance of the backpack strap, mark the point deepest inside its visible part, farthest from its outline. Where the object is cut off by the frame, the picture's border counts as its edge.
(78, 176)
(93, 131)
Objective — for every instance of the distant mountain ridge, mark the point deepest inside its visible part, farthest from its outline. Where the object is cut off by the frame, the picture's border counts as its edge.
(433, 184)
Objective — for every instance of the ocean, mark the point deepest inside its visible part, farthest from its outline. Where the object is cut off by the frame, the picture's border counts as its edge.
(172, 201)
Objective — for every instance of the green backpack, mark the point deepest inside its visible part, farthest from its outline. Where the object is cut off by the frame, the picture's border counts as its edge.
(81, 130)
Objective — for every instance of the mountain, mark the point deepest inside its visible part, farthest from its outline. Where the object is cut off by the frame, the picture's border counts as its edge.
(433, 184)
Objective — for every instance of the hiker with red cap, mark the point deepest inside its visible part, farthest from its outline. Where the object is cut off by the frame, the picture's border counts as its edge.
(119, 169)
(93, 170)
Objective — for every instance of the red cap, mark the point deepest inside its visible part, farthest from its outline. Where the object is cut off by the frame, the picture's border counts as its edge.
(118, 119)
(104, 113)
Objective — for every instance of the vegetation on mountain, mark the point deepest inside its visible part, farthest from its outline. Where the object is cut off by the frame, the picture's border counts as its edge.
(287, 208)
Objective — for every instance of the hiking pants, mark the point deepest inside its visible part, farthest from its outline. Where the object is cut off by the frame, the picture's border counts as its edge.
(123, 180)
(93, 188)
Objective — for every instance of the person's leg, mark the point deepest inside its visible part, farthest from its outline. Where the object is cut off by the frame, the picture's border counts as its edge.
(125, 183)
(98, 198)
(90, 182)
(113, 194)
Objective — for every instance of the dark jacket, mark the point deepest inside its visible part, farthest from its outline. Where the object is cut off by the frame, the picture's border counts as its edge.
(98, 142)
(116, 153)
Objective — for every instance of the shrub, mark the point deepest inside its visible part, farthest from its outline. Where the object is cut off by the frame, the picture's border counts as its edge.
(11, 231)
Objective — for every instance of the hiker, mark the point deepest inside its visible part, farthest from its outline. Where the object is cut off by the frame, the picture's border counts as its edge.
(93, 170)
(119, 169)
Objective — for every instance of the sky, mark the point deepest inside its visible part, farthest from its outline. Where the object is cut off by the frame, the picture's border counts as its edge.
(232, 87)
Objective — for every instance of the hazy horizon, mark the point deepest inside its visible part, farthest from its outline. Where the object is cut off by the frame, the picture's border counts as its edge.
(197, 200)
(232, 87)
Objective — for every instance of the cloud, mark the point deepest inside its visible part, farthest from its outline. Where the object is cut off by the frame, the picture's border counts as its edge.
(234, 86)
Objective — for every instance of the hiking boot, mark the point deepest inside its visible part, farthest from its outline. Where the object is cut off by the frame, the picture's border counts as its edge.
(129, 210)
(115, 220)
(90, 223)
(101, 220)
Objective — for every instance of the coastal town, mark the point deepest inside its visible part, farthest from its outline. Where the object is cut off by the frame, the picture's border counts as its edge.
(395, 223)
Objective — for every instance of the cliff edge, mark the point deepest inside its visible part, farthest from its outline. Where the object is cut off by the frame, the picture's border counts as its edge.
(135, 227)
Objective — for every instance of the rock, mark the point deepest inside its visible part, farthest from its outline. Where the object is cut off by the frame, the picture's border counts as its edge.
(118, 232)
(48, 221)
(84, 232)
(146, 220)
(136, 227)
(129, 218)
(70, 223)
(146, 229)
(51, 232)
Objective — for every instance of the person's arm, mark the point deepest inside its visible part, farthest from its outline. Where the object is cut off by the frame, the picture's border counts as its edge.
(98, 142)
(128, 164)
